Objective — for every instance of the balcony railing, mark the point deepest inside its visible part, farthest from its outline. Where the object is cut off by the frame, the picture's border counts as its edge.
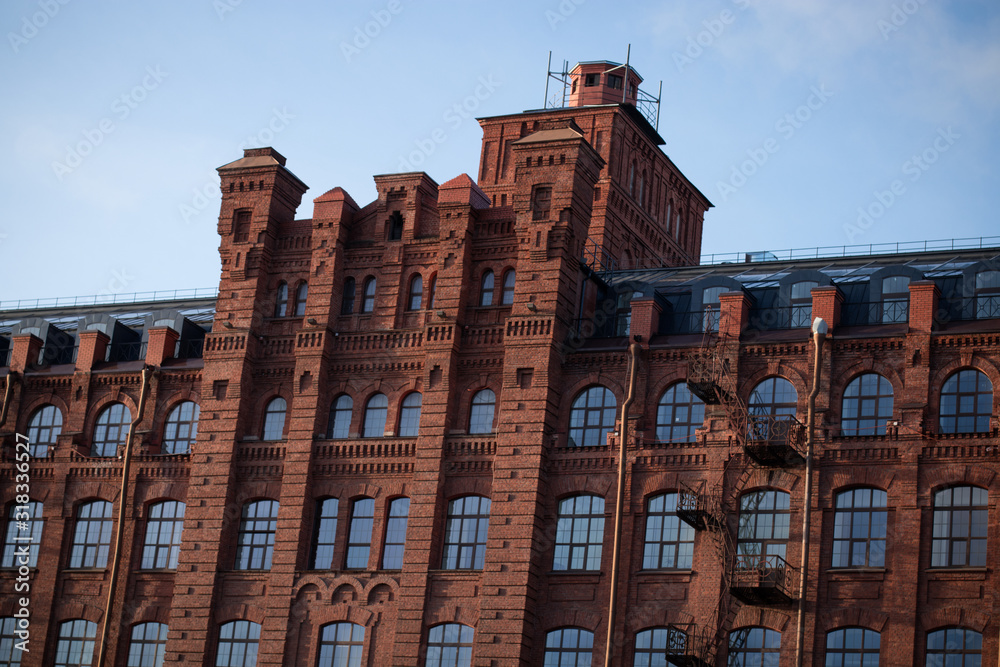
(853, 250)
(763, 579)
(774, 440)
(131, 351)
(890, 311)
(189, 349)
(698, 509)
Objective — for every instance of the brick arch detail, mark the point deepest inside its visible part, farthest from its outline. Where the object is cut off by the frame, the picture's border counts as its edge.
(88, 492)
(858, 477)
(357, 490)
(452, 612)
(970, 474)
(325, 614)
(563, 487)
(259, 491)
(239, 612)
(157, 493)
(165, 407)
(147, 611)
(853, 617)
(953, 616)
(469, 486)
(654, 485)
(643, 618)
(748, 617)
(75, 610)
(574, 618)
(116, 395)
(28, 409)
(780, 480)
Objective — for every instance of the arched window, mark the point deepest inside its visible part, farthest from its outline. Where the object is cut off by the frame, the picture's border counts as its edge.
(44, 428)
(867, 405)
(763, 527)
(359, 538)
(486, 289)
(238, 644)
(507, 297)
(301, 293)
(772, 408)
(255, 544)
(325, 534)
(859, 528)
(281, 300)
(409, 415)
(465, 533)
(579, 533)
(395, 226)
(656, 646)
(75, 646)
(754, 646)
(375, 412)
(449, 645)
(960, 524)
(9, 656)
(163, 536)
(569, 647)
(111, 430)
(181, 429)
(24, 529)
(954, 647)
(416, 293)
(368, 303)
(669, 542)
(592, 417)
(395, 534)
(341, 410)
(347, 301)
(274, 419)
(966, 402)
(481, 414)
(433, 292)
(341, 645)
(148, 646)
(91, 535)
(678, 414)
(847, 647)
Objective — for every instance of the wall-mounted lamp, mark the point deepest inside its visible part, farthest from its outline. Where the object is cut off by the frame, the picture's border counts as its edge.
(442, 314)
(532, 307)
(311, 320)
(227, 325)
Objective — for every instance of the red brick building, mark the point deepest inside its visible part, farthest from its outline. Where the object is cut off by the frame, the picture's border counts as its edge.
(393, 436)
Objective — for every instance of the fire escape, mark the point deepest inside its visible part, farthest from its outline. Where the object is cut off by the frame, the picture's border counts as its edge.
(757, 441)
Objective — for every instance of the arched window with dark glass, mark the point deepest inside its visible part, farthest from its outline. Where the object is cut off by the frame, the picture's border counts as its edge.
(678, 414)
(954, 647)
(486, 289)
(847, 647)
(395, 534)
(409, 415)
(375, 413)
(75, 645)
(255, 543)
(181, 429)
(867, 405)
(274, 419)
(966, 402)
(481, 413)
(416, 293)
(763, 525)
(449, 645)
(507, 297)
(347, 301)
(301, 293)
(961, 516)
(395, 226)
(579, 533)
(569, 647)
(44, 428)
(341, 645)
(368, 302)
(111, 430)
(341, 411)
(148, 646)
(592, 417)
(771, 408)
(655, 647)
(859, 528)
(669, 542)
(754, 646)
(281, 300)
(238, 643)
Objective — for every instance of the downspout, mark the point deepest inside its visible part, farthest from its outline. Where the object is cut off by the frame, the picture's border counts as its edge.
(147, 372)
(819, 330)
(633, 351)
(11, 376)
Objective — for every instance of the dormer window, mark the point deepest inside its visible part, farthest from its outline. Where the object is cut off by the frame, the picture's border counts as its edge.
(395, 226)
(615, 81)
(590, 80)
(710, 303)
(987, 295)
(895, 299)
(801, 306)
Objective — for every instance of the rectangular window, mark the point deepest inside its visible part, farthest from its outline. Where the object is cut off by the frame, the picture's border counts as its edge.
(24, 529)
(615, 81)
(395, 534)
(359, 542)
(326, 534)
(590, 80)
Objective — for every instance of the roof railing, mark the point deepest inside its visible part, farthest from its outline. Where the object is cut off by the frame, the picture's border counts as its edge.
(109, 299)
(823, 252)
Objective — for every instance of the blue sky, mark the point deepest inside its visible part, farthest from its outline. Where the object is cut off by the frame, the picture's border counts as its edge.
(806, 122)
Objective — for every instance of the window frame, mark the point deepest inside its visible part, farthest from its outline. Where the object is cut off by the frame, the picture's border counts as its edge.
(281, 300)
(874, 525)
(459, 553)
(947, 644)
(251, 638)
(301, 296)
(480, 407)
(862, 397)
(341, 416)
(324, 541)
(557, 646)
(180, 430)
(253, 553)
(102, 439)
(360, 529)
(397, 521)
(657, 641)
(164, 545)
(487, 283)
(981, 420)
(780, 506)
(409, 415)
(943, 546)
(767, 646)
(348, 296)
(655, 545)
(328, 652)
(33, 513)
(509, 283)
(271, 428)
(157, 644)
(73, 647)
(415, 296)
(89, 551)
(841, 636)
(439, 649)
(578, 516)
(580, 414)
(38, 444)
(375, 416)
(368, 296)
(668, 424)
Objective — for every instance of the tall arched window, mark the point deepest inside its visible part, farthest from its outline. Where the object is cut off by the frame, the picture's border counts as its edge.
(92, 535)
(281, 300)
(966, 402)
(274, 419)
(449, 645)
(859, 528)
(895, 299)
(416, 293)
(375, 413)
(433, 292)
(867, 405)
(164, 527)
(656, 646)
(347, 301)
(341, 645)
(754, 646)
(954, 647)
(592, 417)
(772, 403)
(678, 414)
(763, 526)
(847, 647)
(324, 534)
(111, 430)
(238, 642)
(711, 307)
(341, 411)
(572, 647)
(481, 414)
(148, 646)
(301, 293)
(579, 533)
(961, 516)
(368, 302)
(24, 529)
(44, 428)
(409, 415)
(507, 297)
(395, 534)
(255, 544)
(359, 537)
(669, 542)
(465, 533)
(486, 289)
(181, 429)
(75, 646)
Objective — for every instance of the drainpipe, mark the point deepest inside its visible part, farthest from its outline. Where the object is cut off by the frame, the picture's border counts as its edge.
(11, 376)
(147, 372)
(819, 329)
(633, 352)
